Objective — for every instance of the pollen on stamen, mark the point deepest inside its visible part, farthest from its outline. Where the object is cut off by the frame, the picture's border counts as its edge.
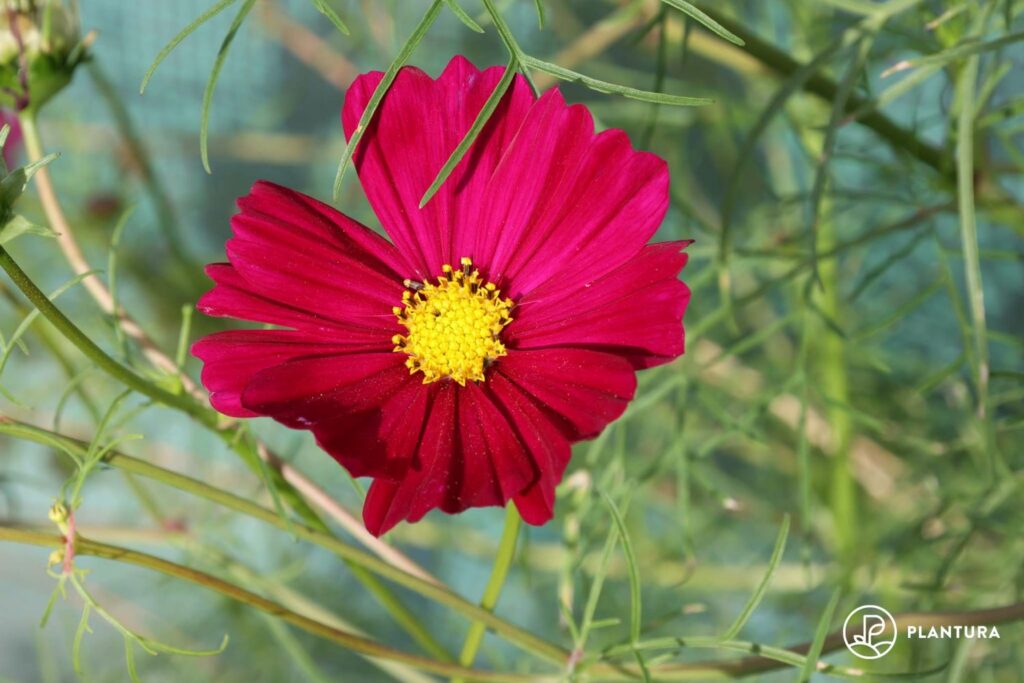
(453, 326)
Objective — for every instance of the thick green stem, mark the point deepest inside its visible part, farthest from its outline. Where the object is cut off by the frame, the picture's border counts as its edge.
(499, 573)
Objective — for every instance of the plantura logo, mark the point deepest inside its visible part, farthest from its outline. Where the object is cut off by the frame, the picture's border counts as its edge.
(869, 632)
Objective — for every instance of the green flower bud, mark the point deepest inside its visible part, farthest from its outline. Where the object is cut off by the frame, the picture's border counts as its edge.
(40, 46)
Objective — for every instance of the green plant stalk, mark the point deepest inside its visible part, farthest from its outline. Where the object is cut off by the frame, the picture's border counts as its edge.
(441, 594)
(94, 353)
(965, 96)
(825, 88)
(834, 385)
(499, 573)
(344, 638)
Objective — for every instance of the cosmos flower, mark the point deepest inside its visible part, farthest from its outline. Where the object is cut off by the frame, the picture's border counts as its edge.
(456, 363)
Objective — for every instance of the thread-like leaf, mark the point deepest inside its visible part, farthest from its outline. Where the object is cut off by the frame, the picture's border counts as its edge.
(457, 10)
(811, 663)
(328, 11)
(474, 130)
(378, 94)
(613, 88)
(182, 35)
(755, 599)
(541, 18)
(211, 83)
(704, 20)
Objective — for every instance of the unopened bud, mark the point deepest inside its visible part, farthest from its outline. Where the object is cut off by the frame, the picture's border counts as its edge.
(59, 515)
(40, 46)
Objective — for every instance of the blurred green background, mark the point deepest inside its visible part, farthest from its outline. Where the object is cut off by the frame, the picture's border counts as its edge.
(866, 400)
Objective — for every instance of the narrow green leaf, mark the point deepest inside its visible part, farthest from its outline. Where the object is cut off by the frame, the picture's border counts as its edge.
(4, 132)
(613, 88)
(211, 84)
(76, 647)
(755, 599)
(378, 94)
(943, 58)
(14, 183)
(478, 125)
(34, 313)
(965, 100)
(182, 35)
(843, 93)
(507, 37)
(457, 10)
(811, 663)
(635, 604)
(704, 20)
(19, 225)
(326, 10)
(184, 334)
(129, 661)
(541, 18)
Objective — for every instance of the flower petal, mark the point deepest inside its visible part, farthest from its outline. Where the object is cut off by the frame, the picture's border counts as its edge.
(389, 502)
(418, 124)
(469, 456)
(298, 252)
(546, 443)
(636, 310)
(565, 203)
(232, 358)
(380, 442)
(587, 388)
(304, 391)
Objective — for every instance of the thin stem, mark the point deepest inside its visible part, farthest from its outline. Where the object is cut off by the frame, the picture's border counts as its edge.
(704, 670)
(76, 259)
(344, 638)
(826, 89)
(83, 343)
(428, 589)
(499, 573)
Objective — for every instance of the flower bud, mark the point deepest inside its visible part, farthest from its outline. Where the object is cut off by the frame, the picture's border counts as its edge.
(40, 46)
(59, 515)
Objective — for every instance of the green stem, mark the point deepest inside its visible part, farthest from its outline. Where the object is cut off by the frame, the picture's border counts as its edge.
(341, 637)
(499, 573)
(81, 341)
(826, 89)
(441, 594)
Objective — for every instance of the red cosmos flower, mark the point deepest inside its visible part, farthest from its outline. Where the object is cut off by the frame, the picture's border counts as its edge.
(503, 322)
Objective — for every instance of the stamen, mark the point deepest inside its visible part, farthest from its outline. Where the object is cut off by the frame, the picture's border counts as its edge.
(453, 326)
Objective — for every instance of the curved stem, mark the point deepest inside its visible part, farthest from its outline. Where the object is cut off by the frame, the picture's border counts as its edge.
(826, 89)
(94, 353)
(499, 573)
(428, 589)
(76, 259)
(341, 637)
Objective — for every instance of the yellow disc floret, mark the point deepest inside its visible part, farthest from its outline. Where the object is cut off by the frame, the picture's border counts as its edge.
(453, 325)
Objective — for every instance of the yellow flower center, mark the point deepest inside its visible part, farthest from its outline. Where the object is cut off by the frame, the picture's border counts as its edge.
(453, 325)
